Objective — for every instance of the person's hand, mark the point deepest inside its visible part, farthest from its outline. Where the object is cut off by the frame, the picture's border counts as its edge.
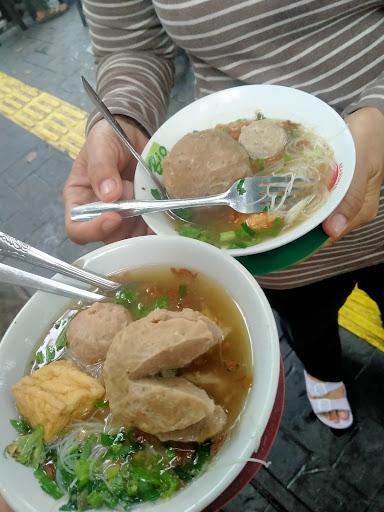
(3, 506)
(103, 171)
(360, 205)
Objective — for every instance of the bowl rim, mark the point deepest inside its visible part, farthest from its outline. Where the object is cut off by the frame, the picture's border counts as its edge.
(153, 220)
(10, 493)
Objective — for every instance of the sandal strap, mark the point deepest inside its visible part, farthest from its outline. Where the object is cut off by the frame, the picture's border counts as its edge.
(319, 389)
(322, 405)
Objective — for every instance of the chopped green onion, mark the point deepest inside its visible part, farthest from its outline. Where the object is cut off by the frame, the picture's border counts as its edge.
(184, 213)
(259, 164)
(82, 471)
(39, 359)
(95, 499)
(61, 341)
(156, 193)
(247, 230)
(227, 236)
(240, 187)
(287, 157)
(161, 303)
(51, 354)
(183, 290)
(101, 404)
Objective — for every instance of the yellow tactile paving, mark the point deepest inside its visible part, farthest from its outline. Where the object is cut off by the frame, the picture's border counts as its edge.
(62, 125)
(361, 316)
(50, 118)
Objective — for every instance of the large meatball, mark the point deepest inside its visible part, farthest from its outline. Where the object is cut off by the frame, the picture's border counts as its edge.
(199, 432)
(155, 404)
(91, 332)
(263, 139)
(162, 340)
(204, 163)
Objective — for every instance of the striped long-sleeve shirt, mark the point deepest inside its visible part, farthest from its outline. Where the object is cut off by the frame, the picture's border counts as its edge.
(333, 49)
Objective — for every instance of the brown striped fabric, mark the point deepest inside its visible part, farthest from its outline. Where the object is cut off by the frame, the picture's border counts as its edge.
(333, 49)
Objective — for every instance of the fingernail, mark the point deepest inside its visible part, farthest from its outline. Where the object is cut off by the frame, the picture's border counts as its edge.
(109, 224)
(338, 223)
(106, 187)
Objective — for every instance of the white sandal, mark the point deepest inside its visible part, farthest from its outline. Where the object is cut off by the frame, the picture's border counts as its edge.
(320, 405)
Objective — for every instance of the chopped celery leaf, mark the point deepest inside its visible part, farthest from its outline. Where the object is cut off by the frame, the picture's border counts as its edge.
(21, 426)
(47, 484)
(125, 296)
(28, 449)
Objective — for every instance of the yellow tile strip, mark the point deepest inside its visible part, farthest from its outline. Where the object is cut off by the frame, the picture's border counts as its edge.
(62, 125)
(361, 316)
(50, 118)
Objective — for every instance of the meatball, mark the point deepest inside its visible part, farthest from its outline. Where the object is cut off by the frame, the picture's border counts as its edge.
(263, 139)
(162, 340)
(199, 432)
(155, 404)
(204, 163)
(91, 332)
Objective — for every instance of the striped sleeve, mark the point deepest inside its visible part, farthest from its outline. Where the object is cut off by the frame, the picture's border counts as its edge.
(371, 96)
(135, 60)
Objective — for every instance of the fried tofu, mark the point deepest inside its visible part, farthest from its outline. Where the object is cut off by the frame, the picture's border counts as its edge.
(55, 395)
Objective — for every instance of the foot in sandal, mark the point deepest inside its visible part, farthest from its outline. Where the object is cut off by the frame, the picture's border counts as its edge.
(329, 402)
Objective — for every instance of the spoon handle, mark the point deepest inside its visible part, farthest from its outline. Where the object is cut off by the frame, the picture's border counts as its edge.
(133, 208)
(16, 248)
(104, 111)
(15, 276)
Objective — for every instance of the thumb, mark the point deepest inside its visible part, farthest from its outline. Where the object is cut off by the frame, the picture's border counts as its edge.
(340, 222)
(103, 166)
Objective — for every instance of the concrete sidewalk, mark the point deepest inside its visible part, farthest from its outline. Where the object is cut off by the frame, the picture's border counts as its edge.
(312, 469)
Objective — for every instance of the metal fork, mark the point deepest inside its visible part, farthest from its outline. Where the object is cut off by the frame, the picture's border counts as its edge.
(248, 195)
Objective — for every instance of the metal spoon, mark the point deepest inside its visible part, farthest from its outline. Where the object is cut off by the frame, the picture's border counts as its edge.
(15, 276)
(15, 248)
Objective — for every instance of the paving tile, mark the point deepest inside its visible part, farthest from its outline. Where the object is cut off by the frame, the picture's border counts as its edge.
(287, 458)
(247, 501)
(368, 390)
(327, 491)
(362, 458)
(25, 166)
(21, 225)
(10, 203)
(377, 503)
(54, 170)
(13, 147)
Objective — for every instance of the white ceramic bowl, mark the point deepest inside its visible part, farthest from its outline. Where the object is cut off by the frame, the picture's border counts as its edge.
(243, 102)
(17, 483)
